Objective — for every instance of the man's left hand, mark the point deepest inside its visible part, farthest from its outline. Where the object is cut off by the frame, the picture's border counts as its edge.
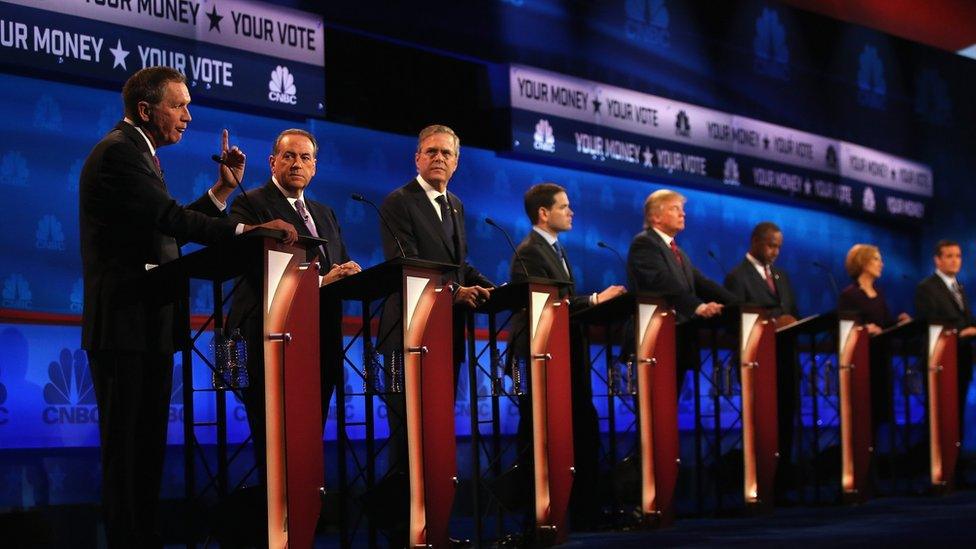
(338, 272)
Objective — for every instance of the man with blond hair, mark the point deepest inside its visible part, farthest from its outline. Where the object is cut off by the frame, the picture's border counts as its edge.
(656, 264)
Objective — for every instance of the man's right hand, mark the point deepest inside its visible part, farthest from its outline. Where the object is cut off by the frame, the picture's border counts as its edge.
(291, 235)
(472, 296)
(708, 310)
(610, 293)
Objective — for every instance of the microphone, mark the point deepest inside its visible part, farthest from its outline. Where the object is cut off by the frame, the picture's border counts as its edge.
(511, 244)
(360, 198)
(830, 276)
(712, 255)
(606, 246)
(240, 184)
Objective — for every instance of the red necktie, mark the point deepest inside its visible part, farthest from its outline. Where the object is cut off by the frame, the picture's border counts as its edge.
(156, 162)
(677, 255)
(769, 279)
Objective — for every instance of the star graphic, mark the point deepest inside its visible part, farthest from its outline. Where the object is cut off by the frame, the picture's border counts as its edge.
(596, 106)
(119, 55)
(765, 142)
(214, 19)
(648, 157)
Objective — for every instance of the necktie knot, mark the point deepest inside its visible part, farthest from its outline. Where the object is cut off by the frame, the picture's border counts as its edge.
(770, 282)
(677, 254)
(303, 213)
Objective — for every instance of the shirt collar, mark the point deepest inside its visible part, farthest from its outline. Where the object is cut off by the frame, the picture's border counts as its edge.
(667, 239)
(152, 150)
(949, 280)
(432, 193)
(756, 262)
(549, 238)
(301, 192)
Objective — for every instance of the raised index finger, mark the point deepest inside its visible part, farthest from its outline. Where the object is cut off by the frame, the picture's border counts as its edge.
(224, 141)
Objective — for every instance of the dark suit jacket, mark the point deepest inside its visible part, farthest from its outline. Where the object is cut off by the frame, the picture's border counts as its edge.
(934, 301)
(748, 286)
(542, 261)
(267, 204)
(128, 219)
(651, 267)
(419, 229)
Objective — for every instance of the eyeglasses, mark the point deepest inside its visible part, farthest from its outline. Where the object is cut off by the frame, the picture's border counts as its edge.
(432, 153)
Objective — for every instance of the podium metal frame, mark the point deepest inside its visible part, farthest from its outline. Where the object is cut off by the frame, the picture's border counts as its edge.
(548, 365)
(644, 382)
(811, 344)
(427, 351)
(292, 275)
(740, 347)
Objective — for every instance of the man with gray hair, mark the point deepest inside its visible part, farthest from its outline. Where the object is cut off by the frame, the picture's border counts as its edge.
(292, 162)
(429, 222)
(128, 224)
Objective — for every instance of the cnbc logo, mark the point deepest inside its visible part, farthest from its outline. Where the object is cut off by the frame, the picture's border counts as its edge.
(771, 56)
(543, 138)
(69, 394)
(281, 87)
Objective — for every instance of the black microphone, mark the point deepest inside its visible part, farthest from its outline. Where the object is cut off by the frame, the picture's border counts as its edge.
(216, 158)
(511, 244)
(606, 246)
(712, 255)
(360, 198)
(830, 276)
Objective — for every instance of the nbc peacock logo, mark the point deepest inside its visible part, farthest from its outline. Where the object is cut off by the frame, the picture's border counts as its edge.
(281, 87)
(69, 392)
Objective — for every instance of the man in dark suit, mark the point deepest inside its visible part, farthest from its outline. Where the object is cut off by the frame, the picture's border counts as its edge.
(541, 254)
(128, 224)
(293, 162)
(656, 264)
(429, 222)
(756, 280)
(940, 298)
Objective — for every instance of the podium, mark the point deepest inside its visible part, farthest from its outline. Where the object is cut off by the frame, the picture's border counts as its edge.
(856, 430)
(760, 442)
(944, 429)
(428, 390)
(295, 469)
(654, 360)
(548, 363)
(741, 341)
(926, 357)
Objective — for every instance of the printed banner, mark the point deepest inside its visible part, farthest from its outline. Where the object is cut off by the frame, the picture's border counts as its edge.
(615, 128)
(281, 78)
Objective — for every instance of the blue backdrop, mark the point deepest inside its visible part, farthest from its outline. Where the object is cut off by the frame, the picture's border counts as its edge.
(45, 395)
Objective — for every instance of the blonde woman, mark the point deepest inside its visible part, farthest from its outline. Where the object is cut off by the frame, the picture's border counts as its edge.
(864, 265)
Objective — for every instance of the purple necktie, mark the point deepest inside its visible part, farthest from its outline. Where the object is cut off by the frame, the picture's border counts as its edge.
(300, 206)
